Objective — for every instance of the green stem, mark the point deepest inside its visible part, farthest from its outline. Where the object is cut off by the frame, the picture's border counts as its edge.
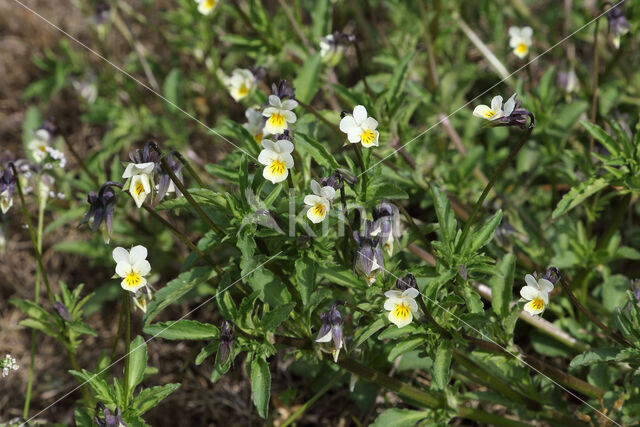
(491, 183)
(114, 347)
(415, 228)
(127, 342)
(594, 83)
(362, 73)
(433, 70)
(190, 169)
(311, 401)
(358, 150)
(319, 116)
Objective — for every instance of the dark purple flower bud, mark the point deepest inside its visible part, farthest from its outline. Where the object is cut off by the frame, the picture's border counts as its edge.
(519, 117)
(281, 90)
(552, 274)
(146, 155)
(343, 38)
(408, 281)
(618, 24)
(62, 311)
(335, 181)
(101, 207)
(284, 135)
(258, 72)
(102, 10)
(109, 419)
(227, 340)
(368, 257)
(331, 329)
(462, 271)
(165, 185)
(8, 181)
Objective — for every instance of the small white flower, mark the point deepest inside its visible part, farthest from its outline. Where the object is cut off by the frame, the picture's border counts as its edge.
(241, 83)
(402, 306)
(132, 267)
(279, 115)
(6, 201)
(360, 128)
(276, 156)
(537, 293)
(38, 145)
(497, 110)
(330, 51)
(520, 40)
(255, 123)
(205, 7)
(319, 202)
(141, 178)
(8, 364)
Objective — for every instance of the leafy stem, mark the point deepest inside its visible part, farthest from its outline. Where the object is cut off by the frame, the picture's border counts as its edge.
(127, 341)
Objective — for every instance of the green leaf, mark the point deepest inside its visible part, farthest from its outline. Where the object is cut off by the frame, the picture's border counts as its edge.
(602, 136)
(399, 418)
(307, 82)
(32, 309)
(442, 363)
(176, 289)
(273, 319)
(150, 397)
(261, 385)
(40, 326)
(321, 17)
(316, 150)
(137, 362)
(445, 215)
(306, 270)
(367, 332)
(485, 233)
(404, 347)
(171, 89)
(579, 194)
(596, 355)
(395, 91)
(182, 330)
(207, 351)
(101, 389)
(502, 285)
(385, 190)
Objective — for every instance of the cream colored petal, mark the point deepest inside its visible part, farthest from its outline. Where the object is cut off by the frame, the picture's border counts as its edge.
(267, 144)
(312, 199)
(269, 111)
(326, 337)
(399, 322)
(316, 187)
(391, 303)
(373, 143)
(328, 192)
(267, 156)
(510, 105)
(354, 135)
(529, 293)
(531, 281)
(138, 253)
(496, 103)
(120, 254)
(266, 173)
(359, 114)
(142, 267)
(275, 101)
(289, 104)
(528, 307)
(347, 124)
(526, 32)
(393, 293)
(128, 171)
(369, 124)
(411, 293)
(123, 268)
(289, 116)
(284, 146)
(545, 285)
(483, 112)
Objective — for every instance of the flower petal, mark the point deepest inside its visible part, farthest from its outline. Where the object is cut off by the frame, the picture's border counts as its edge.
(267, 156)
(347, 124)
(510, 105)
(284, 146)
(120, 254)
(275, 101)
(369, 124)
(142, 267)
(359, 114)
(123, 268)
(138, 253)
(328, 192)
(529, 293)
(528, 307)
(545, 285)
(531, 281)
(483, 112)
(411, 293)
(289, 104)
(496, 103)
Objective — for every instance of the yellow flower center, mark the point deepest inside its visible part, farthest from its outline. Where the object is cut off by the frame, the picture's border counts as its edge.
(277, 120)
(537, 304)
(42, 148)
(243, 90)
(210, 3)
(521, 48)
(139, 189)
(367, 137)
(489, 114)
(401, 311)
(258, 137)
(319, 209)
(277, 167)
(133, 279)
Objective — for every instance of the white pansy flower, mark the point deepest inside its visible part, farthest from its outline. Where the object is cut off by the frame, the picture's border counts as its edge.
(205, 7)
(132, 267)
(241, 83)
(6, 201)
(402, 306)
(140, 183)
(520, 40)
(255, 123)
(360, 128)
(537, 293)
(497, 110)
(319, 202)
(38, 145)
(276, 156)
(279, 115)
(331, 51)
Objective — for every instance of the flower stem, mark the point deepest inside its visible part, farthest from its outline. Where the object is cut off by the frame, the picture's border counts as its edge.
(594, 83)
(358, 150)
(362, 73)
(414, 227)
(319, 116)
(117, 338)
(189, 168)
(491, 183)
(127, 342)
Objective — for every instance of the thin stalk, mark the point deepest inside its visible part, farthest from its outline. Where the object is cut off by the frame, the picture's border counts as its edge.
(594, 83)
(295, 26)
(611, 334)
(245, 19)
(491, 183)
(114, 347)
(414, 226)
(127, 342)
(311, 401)
(433, 70)
(82, 164)
(319, 116)
(190, 169)
(358, 150)
(362, 73)
(186, 193)
(290, 182)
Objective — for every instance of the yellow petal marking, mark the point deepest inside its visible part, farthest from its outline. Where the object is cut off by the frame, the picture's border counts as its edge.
(367, 137)
(277, 168)
(139, 189)
(277, 120)
(489, 114)
(319, 209)
(522, 48)
(537, 304)
(401, 311)
(258, 137)
(133, 279)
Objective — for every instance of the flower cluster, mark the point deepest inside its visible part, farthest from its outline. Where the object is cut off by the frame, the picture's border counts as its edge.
(132, 266)
(8, 364)
(319, 202)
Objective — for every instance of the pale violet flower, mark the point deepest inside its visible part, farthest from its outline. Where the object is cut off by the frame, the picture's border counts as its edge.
(38, 145)
(279, 115)
(205, 7)
(360, 128)
(520, 40)
(537, 293)
(140, 175)
(255, 123)
(402, 306)
(319, 202)
(132, 267)
(497, 110)
(276, 156)
(241, 83)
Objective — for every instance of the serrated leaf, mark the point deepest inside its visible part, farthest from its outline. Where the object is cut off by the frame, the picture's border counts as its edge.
(182, 330)
(150, 397)
(596, 355)
(602, 137)
(484, 235)
(578, 194)
(261, 385)
(445, 215)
